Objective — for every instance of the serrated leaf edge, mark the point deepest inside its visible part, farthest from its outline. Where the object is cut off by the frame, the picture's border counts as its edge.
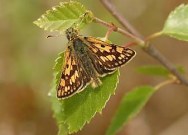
(98, 111)
(133, 115)
(54, 8)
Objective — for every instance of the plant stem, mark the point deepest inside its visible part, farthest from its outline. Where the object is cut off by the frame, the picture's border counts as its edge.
(155, 35)
(123, 32)
(149, 49)
(162, 84)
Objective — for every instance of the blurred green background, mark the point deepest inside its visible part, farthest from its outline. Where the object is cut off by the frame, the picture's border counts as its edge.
(27, 58)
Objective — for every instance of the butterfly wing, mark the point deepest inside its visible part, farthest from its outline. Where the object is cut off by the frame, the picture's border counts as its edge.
(73, 78)
(107, 57)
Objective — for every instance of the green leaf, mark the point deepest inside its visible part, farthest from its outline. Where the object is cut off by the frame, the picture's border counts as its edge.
(82, 107)
(157, 70)
(57, 106)
(73, 113)
(62, 129)
(64, 16)
(130, 106)
(177, 23)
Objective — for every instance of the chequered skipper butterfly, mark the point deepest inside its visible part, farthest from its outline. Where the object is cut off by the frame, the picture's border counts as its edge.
(86, 60)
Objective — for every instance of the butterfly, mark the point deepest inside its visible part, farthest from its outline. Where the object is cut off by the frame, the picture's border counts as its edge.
(87, 59)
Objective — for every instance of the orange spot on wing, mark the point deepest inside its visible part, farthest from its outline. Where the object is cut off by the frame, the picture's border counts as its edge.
(119, 49)
(59, 93)
(110, 57)
(106, 48)
(73, 79)
(62, 83)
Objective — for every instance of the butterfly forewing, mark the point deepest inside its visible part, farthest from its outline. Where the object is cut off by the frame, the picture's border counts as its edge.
(73, 78)
(108, 56)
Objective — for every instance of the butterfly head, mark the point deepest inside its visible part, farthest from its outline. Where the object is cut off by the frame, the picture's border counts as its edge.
(71, 33)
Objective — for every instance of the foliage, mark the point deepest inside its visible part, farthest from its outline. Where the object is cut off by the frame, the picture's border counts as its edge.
(64, 16)
(73, 113)
(176, 24)
(130, 106)
(157, 70)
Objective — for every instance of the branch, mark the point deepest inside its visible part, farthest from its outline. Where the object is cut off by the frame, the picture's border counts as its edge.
(152, 51)
(117, 29)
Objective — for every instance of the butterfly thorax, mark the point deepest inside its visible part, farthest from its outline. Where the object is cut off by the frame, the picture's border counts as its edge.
(71, 33)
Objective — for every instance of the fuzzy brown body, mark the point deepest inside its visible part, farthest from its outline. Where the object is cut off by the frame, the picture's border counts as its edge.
(86, 60)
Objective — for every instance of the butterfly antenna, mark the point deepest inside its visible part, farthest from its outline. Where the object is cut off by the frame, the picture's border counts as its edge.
(50, 36)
